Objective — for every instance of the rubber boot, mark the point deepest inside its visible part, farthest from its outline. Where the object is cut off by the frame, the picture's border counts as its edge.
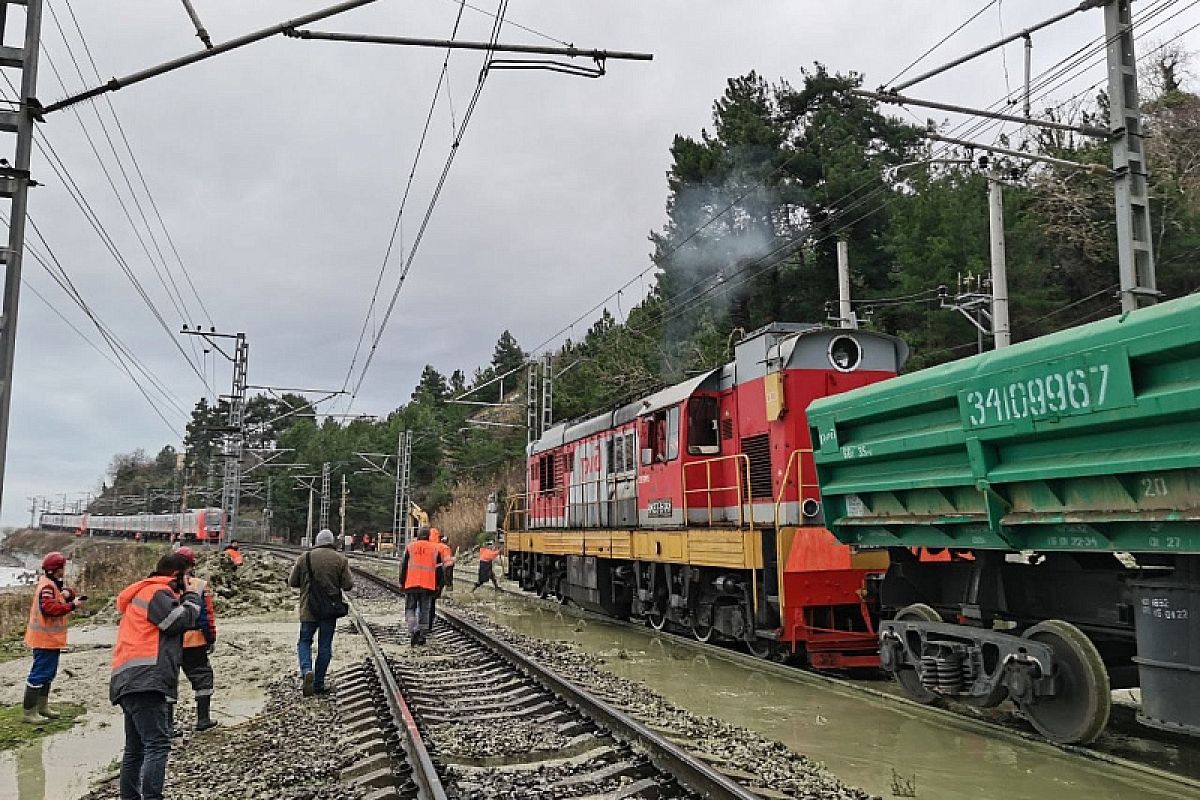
(43, 705)
(29, 706)
(203, 720)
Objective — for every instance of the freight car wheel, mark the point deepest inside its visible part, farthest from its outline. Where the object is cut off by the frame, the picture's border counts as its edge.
(908, 677)
(1078, 712)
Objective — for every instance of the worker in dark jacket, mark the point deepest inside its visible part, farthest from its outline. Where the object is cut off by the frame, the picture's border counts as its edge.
(198, 642)
(326, 570)
(46, 635)
(421, 576)
(145, 671)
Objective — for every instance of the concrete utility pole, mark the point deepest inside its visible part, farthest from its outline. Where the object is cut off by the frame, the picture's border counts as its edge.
(846, 317)
(1001, 332)
(1135, 249)
(14, 184)
(308, 536)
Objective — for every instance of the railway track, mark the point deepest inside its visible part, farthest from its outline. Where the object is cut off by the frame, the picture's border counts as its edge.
(1167, 758)
(476, 717)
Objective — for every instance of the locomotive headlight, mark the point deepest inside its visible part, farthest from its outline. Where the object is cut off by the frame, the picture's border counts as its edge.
(844, 354)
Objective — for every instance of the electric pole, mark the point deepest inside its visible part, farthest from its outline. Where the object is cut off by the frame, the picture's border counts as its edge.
(235, 431)
(846, 317)
(401, 519)
(324, 496)
(14, 184)
(1135, 250)
(1001, 332)
(342, 510)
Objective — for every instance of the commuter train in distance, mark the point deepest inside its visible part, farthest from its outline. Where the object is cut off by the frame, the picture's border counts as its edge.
(196, 524)
(697, 507)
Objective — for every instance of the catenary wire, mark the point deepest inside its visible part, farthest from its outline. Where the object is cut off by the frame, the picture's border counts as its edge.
(414, 248)
(443, 78)
(138, 169)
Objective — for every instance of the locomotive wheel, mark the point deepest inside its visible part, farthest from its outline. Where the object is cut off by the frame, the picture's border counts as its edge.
(908, 677)
(1078, 713)
(656, 620)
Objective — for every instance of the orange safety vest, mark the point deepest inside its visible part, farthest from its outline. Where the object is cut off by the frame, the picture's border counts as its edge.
(195, 638)
(488, 554)
(422, 565)
(43, 632)
(137, 636)
(235, 556)
(447, 554)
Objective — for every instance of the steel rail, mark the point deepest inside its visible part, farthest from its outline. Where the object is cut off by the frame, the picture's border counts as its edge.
(689, 771)
(424, 774)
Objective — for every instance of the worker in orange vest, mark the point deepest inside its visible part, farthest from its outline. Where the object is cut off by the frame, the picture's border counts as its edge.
(46, 634)
(233, 554)
(420, 575)
(198, 642)
(155, 612)
(487, 557)
(445, 570)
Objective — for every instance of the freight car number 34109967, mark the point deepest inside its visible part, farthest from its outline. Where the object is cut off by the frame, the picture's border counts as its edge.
(1094, 381)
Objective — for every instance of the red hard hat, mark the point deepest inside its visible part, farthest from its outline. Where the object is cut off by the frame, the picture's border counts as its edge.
(55, 560)
(187, 553)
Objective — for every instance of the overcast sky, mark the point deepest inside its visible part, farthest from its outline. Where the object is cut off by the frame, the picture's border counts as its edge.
(278, 170)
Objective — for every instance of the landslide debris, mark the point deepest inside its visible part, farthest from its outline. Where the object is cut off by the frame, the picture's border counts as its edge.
(259, 586)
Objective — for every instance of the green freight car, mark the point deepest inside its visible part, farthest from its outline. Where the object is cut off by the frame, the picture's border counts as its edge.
(1041, 506)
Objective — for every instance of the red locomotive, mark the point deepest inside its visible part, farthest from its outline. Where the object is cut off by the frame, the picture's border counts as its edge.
(697, 506)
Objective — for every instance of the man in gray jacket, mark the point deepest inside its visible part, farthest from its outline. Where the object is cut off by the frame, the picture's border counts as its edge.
(321, 569)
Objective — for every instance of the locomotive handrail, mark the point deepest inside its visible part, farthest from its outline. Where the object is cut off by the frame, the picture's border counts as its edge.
(511, 510)
(792, 458)
(708, 488)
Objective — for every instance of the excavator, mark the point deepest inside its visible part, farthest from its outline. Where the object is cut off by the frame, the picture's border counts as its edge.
(417, 517)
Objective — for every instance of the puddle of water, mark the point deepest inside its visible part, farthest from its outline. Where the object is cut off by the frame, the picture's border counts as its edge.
(860, 739)
(62, 766)
(17, 576)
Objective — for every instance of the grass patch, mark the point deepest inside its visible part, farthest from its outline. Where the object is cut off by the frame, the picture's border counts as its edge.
(14, 732)
(13, 647)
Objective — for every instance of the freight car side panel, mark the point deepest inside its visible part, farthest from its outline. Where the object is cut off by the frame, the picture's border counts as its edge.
(1087, 439)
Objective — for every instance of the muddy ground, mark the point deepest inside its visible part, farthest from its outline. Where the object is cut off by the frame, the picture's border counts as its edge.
(257, 700)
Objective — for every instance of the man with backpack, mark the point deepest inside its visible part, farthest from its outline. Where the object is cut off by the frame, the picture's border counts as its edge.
(321, 575)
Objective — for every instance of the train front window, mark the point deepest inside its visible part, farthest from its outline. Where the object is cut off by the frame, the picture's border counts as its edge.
(703, 434)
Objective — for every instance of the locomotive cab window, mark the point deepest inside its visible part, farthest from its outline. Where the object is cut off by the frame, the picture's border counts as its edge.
(662, 433)
(546, 473)
(703, 433)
